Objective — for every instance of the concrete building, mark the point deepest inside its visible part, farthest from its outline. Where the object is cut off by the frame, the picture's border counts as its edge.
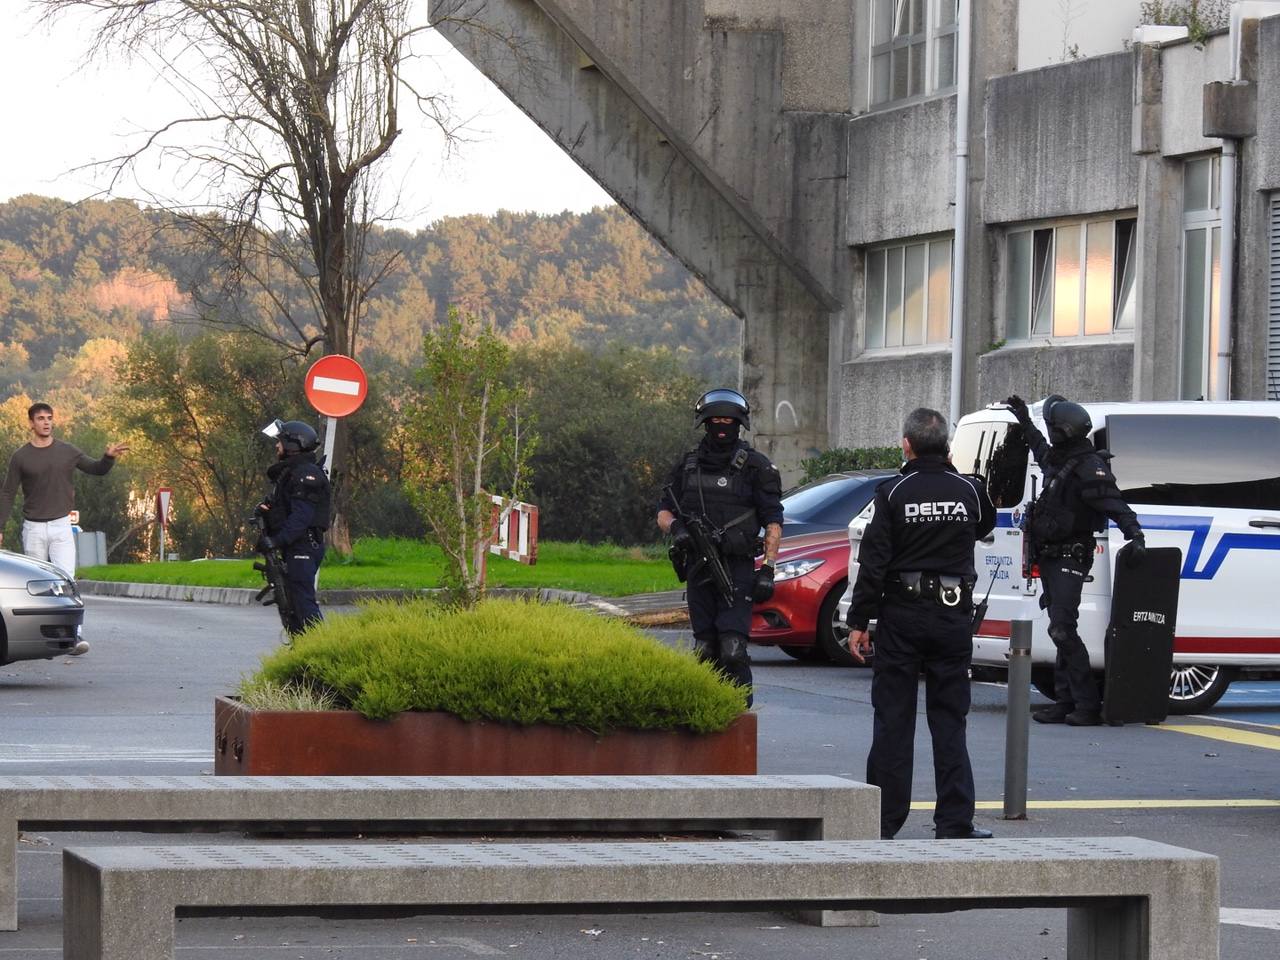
(799, 156)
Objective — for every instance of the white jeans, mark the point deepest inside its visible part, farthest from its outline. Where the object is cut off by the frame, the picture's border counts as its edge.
(51, 540)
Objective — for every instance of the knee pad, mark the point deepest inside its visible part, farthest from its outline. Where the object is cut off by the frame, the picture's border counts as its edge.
(1061, 634)
(704, 646)
(733, 647)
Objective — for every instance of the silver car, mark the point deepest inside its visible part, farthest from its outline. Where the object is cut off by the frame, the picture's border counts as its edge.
(40, 608)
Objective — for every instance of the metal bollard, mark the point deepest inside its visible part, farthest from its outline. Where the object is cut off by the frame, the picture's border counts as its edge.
(1017, 721)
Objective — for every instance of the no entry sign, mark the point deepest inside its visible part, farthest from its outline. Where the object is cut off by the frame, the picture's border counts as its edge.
(336, 385)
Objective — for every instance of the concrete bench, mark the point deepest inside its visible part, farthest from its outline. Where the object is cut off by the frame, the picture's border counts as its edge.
(1127, 899)
(797, 807)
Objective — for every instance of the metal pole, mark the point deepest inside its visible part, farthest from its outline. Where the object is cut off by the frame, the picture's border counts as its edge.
(330, 438)
(960, 243)
(162, 543)
(1017, 721)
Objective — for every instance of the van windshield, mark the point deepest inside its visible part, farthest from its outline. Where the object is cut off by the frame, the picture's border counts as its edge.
(994, 451)
(1228, 461)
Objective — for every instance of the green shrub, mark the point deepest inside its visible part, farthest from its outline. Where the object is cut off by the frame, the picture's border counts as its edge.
(505, 660)
(841, 459)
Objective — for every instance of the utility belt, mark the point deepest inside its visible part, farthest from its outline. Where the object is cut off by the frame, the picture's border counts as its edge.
(1065, 551)
(952, 592)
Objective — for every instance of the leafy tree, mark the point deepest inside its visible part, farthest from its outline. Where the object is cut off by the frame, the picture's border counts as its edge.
(466, 438)
(611, 427)
(305, 101)
(194, 409)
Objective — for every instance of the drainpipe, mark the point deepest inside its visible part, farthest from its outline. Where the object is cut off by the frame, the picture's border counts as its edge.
(959, 246)
(1227, 268)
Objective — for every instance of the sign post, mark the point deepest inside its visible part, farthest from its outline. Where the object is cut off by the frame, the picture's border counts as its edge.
(336, 387)
(163, 496)
(515, 530)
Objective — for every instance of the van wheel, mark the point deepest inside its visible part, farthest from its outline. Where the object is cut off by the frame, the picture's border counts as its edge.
(833, 641)
(1195, 687)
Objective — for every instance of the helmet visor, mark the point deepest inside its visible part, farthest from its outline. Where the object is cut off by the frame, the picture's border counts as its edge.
(724, 395)
(272, 429)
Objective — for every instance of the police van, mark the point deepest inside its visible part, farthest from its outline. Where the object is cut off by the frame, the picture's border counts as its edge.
(1201, 476)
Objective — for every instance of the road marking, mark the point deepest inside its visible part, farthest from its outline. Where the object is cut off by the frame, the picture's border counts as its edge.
(350, 388)
(1236, 721)
(1134, 804)
(1266, 919)
(1247, 738)
(78, 753)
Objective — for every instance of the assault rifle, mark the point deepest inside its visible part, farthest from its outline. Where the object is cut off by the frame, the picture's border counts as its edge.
(272, 569)
(706, 550)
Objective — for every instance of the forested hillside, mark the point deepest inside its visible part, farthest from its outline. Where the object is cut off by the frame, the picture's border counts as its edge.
(77, 275)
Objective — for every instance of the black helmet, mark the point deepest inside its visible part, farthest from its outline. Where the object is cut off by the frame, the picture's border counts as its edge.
(722, 402)
(294, 435)
(1066, 421)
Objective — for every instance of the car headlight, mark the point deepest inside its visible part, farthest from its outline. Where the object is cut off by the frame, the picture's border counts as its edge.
(795, 568)
(51, 588)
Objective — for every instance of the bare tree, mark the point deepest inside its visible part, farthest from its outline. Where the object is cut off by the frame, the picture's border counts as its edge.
(291, 105)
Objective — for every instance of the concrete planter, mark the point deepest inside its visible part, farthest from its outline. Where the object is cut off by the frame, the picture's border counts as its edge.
(343, 743)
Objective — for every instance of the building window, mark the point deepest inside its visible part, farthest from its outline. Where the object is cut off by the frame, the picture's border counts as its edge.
(908, 301)
(1071, 280)
(1201, 248)
(913, 48)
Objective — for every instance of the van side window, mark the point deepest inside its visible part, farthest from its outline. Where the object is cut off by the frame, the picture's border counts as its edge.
(1227, 461)
(984, 449)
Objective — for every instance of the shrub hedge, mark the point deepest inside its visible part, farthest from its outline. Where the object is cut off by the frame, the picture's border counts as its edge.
(504, 660)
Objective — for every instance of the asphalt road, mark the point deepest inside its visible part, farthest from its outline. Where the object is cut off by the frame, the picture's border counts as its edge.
(141, 703)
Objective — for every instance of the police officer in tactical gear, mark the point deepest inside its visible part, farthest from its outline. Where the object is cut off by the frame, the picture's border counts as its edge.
(1078, 495)
(916, 577)
(735, 490)
(296, 514)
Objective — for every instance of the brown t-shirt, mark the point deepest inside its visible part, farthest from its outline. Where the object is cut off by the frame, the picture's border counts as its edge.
(44, 474)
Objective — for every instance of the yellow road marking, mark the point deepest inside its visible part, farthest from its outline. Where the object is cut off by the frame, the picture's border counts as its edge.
(1136, 804)
(1248, 738)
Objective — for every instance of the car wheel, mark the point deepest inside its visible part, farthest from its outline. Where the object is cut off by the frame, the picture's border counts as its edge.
(809, 653)
(833, 640)
(1195, 687)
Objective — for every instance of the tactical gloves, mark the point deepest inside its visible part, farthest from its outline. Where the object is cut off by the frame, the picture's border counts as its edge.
(1018, 407)
(1137, 552)
(680, 537)
(762, 588)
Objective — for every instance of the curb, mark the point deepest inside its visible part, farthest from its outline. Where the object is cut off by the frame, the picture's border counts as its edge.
(246, 596)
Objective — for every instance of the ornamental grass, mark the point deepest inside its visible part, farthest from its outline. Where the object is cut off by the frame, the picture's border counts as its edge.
(510, 661)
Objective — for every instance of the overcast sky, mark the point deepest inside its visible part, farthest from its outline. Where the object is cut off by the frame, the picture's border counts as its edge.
(57, 114)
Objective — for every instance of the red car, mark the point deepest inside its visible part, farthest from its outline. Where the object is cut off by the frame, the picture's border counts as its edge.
(813, 568)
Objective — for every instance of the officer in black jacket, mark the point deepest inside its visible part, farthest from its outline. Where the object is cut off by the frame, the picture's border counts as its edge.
(736, 490)
(296, 514)
(1079, 494)
(916, 576)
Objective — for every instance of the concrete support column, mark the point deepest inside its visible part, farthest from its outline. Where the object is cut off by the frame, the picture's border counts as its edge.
(1156, 347)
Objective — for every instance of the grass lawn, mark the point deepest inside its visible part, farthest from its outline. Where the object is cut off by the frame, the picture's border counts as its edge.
(606, 570)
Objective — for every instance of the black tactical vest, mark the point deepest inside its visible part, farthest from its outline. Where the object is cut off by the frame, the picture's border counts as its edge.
(724, 496)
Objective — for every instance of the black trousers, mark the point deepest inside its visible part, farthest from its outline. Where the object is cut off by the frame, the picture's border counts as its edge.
(1074, 687)
(912, 636)
(301, 561)
(720, 630)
